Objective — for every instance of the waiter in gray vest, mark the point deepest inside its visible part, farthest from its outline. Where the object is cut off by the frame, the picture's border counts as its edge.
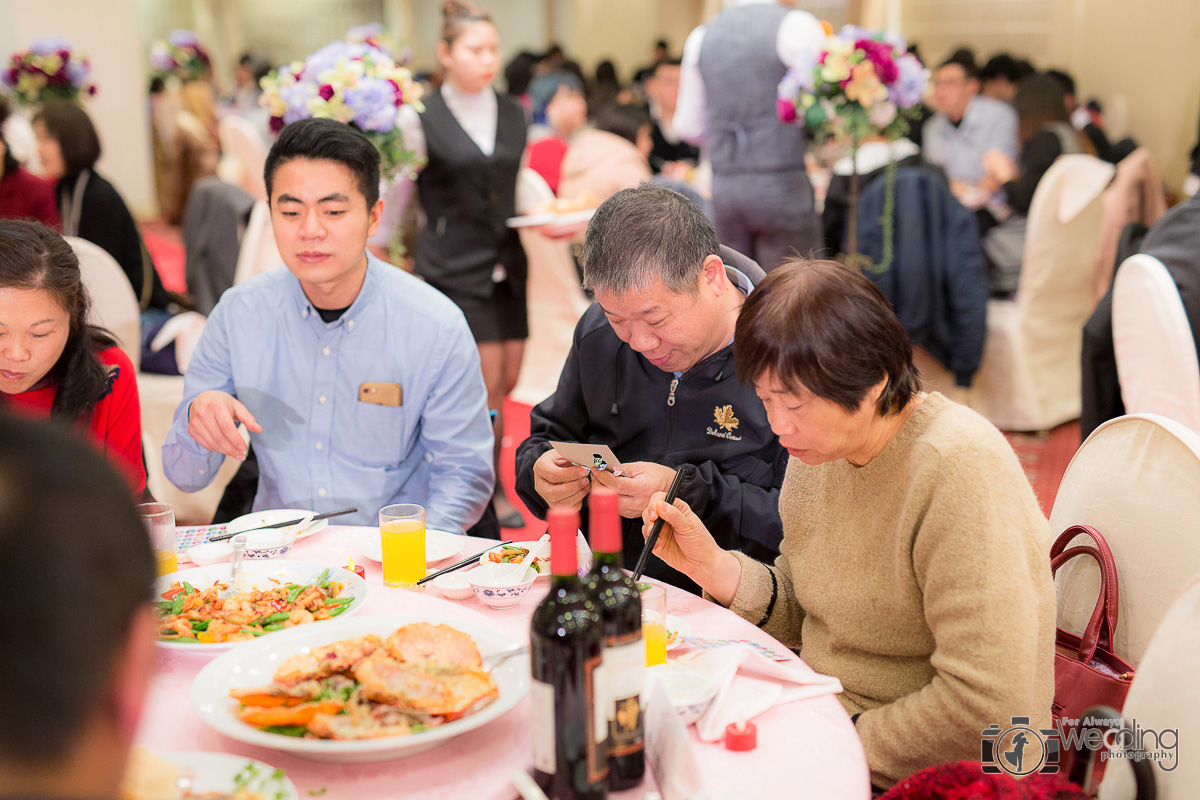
(732, 66)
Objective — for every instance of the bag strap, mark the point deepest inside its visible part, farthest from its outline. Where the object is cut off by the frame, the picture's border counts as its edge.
(1103, 624)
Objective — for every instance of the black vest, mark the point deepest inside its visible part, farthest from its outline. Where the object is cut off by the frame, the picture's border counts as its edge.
(467, 196)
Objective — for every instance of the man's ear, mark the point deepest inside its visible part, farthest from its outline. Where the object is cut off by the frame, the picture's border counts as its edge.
(373, 217)
(712, 275)
(133, 667)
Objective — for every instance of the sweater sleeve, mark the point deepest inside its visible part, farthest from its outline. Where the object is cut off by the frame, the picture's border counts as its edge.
(766, 596)
(1036, 157)
(117, 421)
(980, 560)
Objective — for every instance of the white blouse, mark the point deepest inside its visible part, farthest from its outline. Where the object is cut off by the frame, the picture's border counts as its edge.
(476, 113)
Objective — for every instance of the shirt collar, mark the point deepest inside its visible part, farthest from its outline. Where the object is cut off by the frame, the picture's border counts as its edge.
(365, 296)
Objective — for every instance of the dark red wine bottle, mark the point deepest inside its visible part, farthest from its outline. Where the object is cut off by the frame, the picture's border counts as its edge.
(620, 605)
(569, 721)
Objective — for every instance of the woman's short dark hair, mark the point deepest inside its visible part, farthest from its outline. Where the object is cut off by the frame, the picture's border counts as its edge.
(825, 327)
(33, 256)
(80, 568)
(1039, 101)
(70, 126)
(327, 140)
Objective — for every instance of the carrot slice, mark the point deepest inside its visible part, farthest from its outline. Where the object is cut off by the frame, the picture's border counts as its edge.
(269, 700)
(295, 715)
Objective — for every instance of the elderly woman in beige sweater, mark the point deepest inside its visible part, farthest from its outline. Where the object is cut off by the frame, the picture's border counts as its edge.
(914, 560)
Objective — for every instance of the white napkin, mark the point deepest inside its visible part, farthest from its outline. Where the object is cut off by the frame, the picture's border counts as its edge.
(184, 330)
(760, 684)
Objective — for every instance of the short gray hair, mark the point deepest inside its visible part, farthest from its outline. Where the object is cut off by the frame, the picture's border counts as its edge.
(646, 233)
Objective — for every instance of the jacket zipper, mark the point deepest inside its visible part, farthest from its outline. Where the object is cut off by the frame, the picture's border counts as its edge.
(666, 446)
(671, 395)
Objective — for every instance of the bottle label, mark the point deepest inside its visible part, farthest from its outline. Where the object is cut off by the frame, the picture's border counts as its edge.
(594, 689)
(625, 666)
(541, 696)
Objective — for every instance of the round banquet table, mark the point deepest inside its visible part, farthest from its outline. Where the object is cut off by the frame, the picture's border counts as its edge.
(806, 749)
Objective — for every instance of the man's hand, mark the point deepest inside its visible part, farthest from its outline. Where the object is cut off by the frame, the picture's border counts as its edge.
(560, 483)
(212, 421)
(644, 478)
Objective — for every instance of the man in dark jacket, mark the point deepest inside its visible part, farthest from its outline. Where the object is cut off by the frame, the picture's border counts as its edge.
(650, 374)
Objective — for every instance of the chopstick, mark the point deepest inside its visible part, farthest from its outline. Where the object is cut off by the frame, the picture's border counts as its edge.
(462, 563)
(652, 539)
(326, 515)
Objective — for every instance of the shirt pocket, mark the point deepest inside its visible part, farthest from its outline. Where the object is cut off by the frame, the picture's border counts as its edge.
(382, 435)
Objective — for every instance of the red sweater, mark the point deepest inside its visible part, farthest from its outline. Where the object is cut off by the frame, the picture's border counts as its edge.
(26, 196)
(116, 424)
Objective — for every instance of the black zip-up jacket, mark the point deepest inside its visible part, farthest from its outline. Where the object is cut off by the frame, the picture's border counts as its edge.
(705, 423)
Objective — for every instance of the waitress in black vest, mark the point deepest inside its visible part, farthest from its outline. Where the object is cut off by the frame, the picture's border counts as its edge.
(474, 138)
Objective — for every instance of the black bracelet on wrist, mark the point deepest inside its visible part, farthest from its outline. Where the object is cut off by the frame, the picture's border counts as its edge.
(774, 597)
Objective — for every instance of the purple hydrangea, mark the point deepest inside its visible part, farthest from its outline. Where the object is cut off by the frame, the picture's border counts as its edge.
(182, 38)
(78, 71)
(327, 57)
(796, 79)
(47, 45)
(910, 84)
(373, 101)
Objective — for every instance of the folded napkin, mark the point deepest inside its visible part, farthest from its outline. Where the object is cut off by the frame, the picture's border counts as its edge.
(749, 684)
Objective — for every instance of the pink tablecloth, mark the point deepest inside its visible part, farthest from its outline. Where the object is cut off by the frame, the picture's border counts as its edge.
(806, 749)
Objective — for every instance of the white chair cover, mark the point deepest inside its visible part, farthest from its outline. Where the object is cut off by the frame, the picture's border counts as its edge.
(554, 298)
(258, 252)
(114, 305)
(1136, 480)
(1029, 378)
(244, 155)
(1156, 354)
(1165, 696)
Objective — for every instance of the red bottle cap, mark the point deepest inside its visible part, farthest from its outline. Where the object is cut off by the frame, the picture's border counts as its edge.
(564, 526)
(741, 736)
(605, 520)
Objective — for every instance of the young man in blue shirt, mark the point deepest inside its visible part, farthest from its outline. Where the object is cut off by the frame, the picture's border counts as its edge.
(360, 384)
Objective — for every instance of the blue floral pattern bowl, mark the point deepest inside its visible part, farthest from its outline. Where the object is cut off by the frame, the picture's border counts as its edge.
(485, 581)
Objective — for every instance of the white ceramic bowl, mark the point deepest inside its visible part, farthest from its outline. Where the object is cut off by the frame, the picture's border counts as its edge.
(203, 555)
(487, 582)
(453, 586)
(269, 543)
(690, 692)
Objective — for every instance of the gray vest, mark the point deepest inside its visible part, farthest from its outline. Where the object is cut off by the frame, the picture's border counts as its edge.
(741, 72)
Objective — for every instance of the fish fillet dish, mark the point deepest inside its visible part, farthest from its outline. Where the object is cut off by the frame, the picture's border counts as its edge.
(366, 687)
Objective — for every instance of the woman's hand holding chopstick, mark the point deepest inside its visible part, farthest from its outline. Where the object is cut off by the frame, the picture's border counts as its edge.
(685, 544)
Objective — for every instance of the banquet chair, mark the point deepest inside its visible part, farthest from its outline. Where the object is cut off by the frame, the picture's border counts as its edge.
(554, 298)
(114, 305)
(245, 154)
(1164, 697)
(1135, 480)
(1155, 349)
(1135, 195)
(258, 252)
(1029, 378)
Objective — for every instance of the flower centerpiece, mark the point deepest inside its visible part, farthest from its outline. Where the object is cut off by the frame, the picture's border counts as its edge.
(858, 85)
(354, 83)
(180, 55)
(377, 36)
(51, 67)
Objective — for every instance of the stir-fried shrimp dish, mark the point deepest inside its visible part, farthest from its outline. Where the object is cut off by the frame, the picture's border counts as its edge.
(419, 677)
(188, 614)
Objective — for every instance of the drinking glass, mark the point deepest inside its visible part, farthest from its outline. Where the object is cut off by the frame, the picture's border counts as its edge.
(159, 519)
(654, 622)
(402, 534)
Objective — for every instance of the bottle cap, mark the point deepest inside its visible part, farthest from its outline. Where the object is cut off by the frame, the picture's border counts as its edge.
(564, 526)
(741, 736)
(605, 520)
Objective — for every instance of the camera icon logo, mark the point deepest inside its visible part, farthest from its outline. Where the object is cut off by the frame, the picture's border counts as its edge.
(1019, 749)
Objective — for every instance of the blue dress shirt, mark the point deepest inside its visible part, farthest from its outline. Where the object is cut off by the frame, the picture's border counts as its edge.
(988, 124)
(322, 448)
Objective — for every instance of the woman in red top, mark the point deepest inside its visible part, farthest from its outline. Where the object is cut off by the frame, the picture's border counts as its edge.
(52, 363)
(24, 195)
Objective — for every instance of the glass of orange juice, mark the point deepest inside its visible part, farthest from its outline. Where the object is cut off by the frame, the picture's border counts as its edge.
(402, 532)
(159, 519)
(654, 622)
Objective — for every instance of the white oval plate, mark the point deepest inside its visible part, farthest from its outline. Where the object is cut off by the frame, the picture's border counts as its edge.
(255, 664)
(680, 628)
(257, 519)
(215, 772)
(259, 573)
(439, 545)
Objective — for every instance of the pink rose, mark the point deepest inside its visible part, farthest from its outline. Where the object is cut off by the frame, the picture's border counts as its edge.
(786, 110)
(880, 56)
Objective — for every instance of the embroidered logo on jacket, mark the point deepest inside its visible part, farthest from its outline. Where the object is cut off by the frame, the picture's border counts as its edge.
(726, 424)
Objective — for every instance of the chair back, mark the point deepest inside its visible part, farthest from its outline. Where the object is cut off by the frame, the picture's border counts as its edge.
(1135, 195)
(1156, 352)
(114, 305)
(1136, 480)
(243, 145)
(1164, 702)
(1054, 294)
(258, 252)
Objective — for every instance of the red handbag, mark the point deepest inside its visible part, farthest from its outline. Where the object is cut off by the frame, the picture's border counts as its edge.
(1086, 671)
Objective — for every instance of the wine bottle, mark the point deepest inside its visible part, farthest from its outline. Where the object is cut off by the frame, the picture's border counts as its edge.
(620, 605)
(569, 720)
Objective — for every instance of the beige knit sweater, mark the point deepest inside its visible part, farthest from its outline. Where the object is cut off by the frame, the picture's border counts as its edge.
(922, 581)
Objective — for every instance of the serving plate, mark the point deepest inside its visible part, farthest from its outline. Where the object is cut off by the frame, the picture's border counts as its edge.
(217, 773)
(254, 665)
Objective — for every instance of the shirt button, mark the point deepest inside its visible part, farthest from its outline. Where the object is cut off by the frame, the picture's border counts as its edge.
(320, 492)
(320, 446)
(321, 399)
(325, 351)
(350, 323)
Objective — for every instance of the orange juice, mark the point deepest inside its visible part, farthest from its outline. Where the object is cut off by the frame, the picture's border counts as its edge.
(167, 561)
(403, 552)
(655, 636)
